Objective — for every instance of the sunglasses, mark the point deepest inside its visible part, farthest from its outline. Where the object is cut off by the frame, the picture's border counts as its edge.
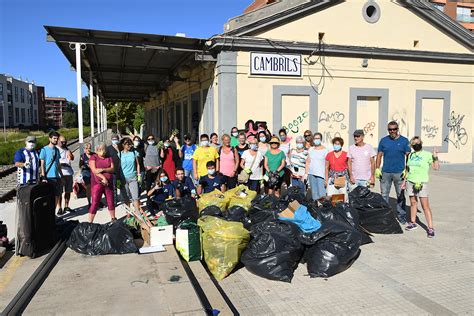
(393, 129)
(357, 136)
(307, 135)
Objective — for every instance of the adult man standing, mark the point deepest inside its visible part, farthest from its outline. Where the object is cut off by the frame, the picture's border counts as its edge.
(361, 161)
(393, 148)
(65, 159)
(27, 162)
(114, 151)
(50, 167)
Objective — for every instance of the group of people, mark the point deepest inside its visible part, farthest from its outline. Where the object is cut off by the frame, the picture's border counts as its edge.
(265, 163)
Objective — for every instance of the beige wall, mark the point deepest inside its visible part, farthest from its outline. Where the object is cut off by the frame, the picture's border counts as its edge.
(344, 24)
(401, 78)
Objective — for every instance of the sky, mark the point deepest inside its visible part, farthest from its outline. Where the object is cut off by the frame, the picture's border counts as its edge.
(24, 51)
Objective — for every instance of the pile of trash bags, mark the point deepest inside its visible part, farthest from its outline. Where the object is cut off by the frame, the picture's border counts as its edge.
(269, 236)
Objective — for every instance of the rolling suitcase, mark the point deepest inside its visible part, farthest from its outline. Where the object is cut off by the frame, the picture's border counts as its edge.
(36, 221)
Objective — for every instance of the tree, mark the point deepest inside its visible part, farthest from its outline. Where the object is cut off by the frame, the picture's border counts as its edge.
(125, 114)
(139, 117)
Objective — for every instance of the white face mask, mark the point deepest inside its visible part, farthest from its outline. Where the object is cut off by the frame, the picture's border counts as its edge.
(136, 143)
(151, 142)
(299, 145)
(235, 134)
(30, 146)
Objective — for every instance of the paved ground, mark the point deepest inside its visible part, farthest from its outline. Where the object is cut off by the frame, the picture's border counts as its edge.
(398, 274)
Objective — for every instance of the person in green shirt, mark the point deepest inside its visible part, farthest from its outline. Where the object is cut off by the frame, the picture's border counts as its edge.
(416, 183)
(275, 162)
(234, 134)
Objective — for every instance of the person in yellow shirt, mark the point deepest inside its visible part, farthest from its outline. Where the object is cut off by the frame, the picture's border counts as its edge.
(202, 155)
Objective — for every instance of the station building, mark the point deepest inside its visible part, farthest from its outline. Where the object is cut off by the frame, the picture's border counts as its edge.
(329, 66)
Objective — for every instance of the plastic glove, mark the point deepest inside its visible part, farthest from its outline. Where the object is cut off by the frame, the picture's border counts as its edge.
(378, 173)
(404, 174)
(27, 164)
(248, 170)
(139, 178)
(418, 186)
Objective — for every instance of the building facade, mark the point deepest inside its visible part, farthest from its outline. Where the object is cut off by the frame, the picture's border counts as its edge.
(461, 11)
(18, 102)
(292, 64)
(54, 110)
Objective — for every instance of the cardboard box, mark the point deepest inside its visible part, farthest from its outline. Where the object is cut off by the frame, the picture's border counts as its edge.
(289, 212)
(161, 235)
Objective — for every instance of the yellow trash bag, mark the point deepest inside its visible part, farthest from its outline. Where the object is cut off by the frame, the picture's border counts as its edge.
(222, 243)
(215, 197)
(240, 196)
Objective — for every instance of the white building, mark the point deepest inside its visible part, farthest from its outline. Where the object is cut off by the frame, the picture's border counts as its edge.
(18, 102)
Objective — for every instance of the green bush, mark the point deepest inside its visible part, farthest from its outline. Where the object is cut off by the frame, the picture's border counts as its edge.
(7, 150)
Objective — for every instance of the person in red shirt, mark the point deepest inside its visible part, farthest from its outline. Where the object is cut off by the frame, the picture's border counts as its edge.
(338, 172)
(167, 155)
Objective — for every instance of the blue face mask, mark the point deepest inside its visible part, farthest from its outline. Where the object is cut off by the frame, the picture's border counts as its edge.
(115, 141)
(317, 142)
(253, 146)
(211, 171)
(337, 147)
(163, 179)
(204, 143)
(263, 139)
(299, 145)
(166, 145)
(283, 138)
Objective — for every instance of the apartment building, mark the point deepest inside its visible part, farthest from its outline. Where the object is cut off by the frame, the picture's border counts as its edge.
(54, 110)
(18, 102)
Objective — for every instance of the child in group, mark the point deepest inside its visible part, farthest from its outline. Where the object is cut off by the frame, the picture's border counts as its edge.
(161, 191)
(183, 185)
(211, 181)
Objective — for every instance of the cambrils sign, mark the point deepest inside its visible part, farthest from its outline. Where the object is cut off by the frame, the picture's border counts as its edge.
(275, 64)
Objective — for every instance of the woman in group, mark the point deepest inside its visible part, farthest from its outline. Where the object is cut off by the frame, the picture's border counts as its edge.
(241, 147)
(130, 167)
(161, 190)
(151, 161)
(298, 157)
(102, 170)
(214, 141)
(316, 168)
(262, 143)
(85, 170)
(285, 148)
(228, 162)
(140, 149)
(168, 158)
(234, 134)
(308, 137)
(416, 183)
(275, 162)
(337, 169)
(252, 163)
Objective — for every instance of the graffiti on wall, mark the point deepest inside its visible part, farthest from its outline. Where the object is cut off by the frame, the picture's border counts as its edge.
(369, 129)
(400, 116)
(457, 135)
(294, 125)
(429, 130)
(331, 124)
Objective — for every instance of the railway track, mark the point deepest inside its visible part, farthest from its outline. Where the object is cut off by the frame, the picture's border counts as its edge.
(8, 179)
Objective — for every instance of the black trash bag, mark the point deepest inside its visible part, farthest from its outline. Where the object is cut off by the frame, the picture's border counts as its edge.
(375, 214)
(265, 207)
(238, 214)
(96, 239)
(295, 193)
(342, 212)
(335, 249)
(211, 210)
(273, 179)
(274, 250)
(179, 210)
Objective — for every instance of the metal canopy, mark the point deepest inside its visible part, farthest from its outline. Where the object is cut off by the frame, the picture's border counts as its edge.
(127, 66)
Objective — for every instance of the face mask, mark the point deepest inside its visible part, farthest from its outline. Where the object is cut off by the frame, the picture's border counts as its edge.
(263, 139)
(417, 147)
(299, 146)
(235, 134)
(150, 142)
(63, 143)
(136, 143)
(163, 179)
(282, 138)
(253, 146)
(211, 171)
(317, 142)
(101, 153)
(115, 141)
(30, 146)
(204, 143)
(337, 147)
(166, 145)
